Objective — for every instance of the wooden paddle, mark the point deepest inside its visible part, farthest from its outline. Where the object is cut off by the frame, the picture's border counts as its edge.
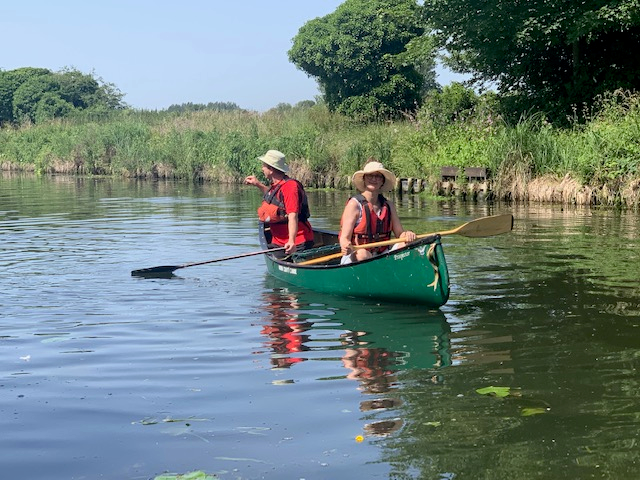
(480, 227)
(166, 269)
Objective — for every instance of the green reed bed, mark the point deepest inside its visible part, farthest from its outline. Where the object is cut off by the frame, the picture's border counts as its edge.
(223, 146)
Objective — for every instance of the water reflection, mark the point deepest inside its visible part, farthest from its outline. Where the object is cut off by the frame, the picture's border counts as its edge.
(551, 311)
(285, 329)
(375, 345)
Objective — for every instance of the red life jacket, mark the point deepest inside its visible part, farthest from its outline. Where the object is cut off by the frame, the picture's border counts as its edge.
(372, 227)
(272, 209)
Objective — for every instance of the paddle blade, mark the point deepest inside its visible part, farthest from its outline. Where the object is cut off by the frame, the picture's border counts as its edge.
(155, 271)
(486, 226)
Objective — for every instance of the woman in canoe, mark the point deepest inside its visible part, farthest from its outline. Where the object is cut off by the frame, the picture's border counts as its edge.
(369, 217)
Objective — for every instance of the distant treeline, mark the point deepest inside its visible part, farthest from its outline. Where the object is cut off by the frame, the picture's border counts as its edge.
(197, 107)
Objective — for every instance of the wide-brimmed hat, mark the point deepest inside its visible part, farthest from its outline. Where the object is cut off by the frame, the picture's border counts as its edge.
(275, 159)
(374, 167)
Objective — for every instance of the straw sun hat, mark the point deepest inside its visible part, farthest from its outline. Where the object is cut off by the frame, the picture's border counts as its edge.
(275, 159)
(374, 167)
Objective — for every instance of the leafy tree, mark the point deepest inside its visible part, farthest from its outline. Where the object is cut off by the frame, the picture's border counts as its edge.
(357, 54)
(455, 102)
(282, 107)
(34, 89)
(36, 94)
(78, 89)
(51, 106)
(305, 104)
(550, 55)
(9, 83)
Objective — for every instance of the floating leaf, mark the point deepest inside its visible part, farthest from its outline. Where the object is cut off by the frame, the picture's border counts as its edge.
(197, 475)
(527, 412)
(433, 424)
(236, 459)
(495, 391)
(148, 421)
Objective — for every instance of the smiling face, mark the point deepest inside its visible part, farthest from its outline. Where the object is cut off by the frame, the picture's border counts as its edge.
(373, 181)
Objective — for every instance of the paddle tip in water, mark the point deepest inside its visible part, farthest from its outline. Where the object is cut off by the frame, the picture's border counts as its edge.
(162, 271)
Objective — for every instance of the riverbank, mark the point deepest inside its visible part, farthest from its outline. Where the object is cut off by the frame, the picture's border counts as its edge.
(596, 163)
(549, 189)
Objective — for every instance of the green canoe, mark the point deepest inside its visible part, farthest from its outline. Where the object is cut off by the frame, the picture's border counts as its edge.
(414, 274)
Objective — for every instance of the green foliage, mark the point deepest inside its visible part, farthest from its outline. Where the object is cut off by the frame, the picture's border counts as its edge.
(544, 55)
(29, 93)
(197, 107)
(10, 81)
(223, 146)
(609, 144)
(419, 52)
(36, 95)
(454, 103)
(353, 53)
(51, 106)
(305, 104)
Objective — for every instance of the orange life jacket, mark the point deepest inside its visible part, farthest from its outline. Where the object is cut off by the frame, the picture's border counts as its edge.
(372, 227)
(272, 209)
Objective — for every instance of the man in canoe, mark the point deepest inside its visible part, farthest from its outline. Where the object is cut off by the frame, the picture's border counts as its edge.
(284, 207)
(369, 217)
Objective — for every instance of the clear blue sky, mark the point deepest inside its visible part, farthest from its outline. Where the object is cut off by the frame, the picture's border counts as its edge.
(160, 53)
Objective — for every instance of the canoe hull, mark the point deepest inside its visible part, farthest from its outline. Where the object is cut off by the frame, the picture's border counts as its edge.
(416, 274)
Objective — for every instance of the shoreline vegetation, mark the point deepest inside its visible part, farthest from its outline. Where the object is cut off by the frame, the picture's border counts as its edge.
(592, 162)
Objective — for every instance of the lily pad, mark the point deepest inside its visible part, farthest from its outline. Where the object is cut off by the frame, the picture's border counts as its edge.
(495, 391)
(527, 412)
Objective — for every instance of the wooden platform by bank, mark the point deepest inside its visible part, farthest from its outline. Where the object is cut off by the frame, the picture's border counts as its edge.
(468, 183)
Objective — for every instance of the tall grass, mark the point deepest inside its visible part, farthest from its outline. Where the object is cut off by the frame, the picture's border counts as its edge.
(223, 146)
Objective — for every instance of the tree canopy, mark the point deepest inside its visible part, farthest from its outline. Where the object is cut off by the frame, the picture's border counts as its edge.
(359, 57)
(38, 94)
(549, 55)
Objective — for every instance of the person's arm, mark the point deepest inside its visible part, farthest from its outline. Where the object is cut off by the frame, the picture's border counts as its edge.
(253, 180)
(348, 223)
(291, 198)
(396, 226)
(292, 224)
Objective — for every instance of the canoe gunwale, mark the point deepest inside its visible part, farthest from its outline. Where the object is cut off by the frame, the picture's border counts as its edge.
(418, 243)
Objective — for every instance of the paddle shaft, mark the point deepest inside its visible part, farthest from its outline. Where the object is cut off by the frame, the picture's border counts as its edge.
(481, 227)
(242, 255)
(171, 268)
(367, 245)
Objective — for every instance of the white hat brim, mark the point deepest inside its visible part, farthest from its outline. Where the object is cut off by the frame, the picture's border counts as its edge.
(389, 179)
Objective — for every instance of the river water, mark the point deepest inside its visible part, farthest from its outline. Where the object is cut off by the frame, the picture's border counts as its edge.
(223, 369)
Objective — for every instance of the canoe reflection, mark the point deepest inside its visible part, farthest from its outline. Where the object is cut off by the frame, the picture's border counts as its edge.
(380, 346)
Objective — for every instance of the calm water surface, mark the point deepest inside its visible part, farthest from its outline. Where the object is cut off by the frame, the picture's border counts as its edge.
(223, 369)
